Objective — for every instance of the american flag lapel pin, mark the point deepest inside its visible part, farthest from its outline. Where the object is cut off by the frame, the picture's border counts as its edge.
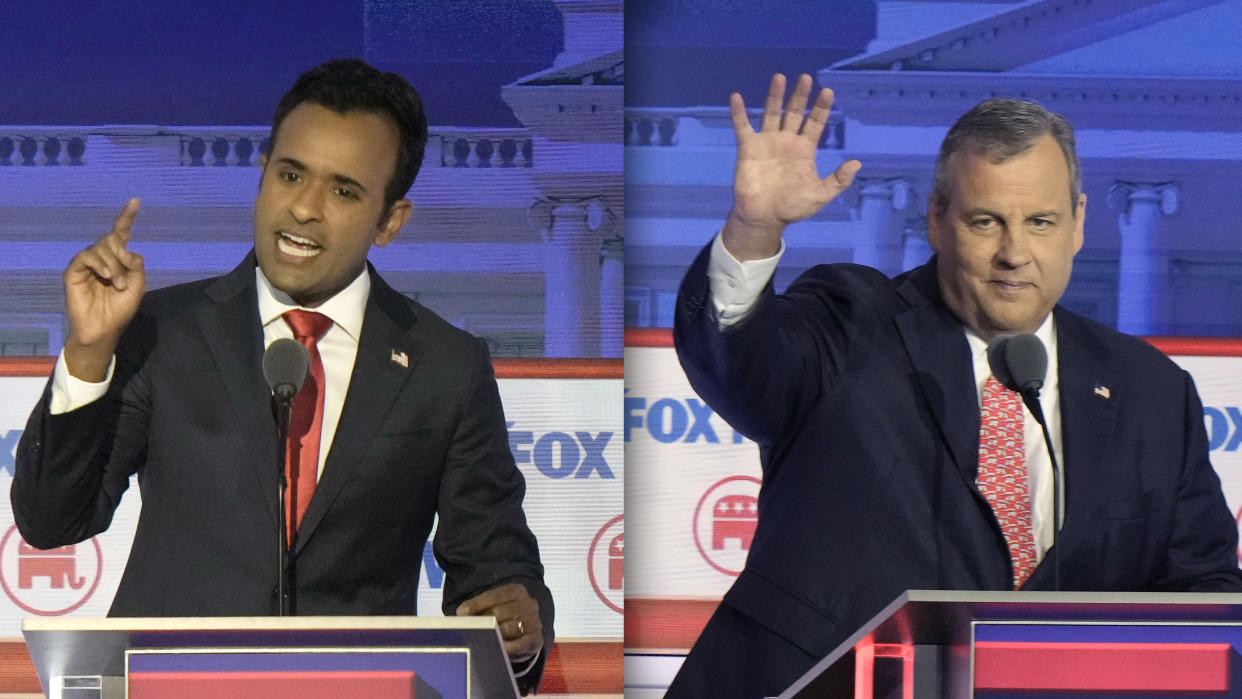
(401, 358)
(1102, 391)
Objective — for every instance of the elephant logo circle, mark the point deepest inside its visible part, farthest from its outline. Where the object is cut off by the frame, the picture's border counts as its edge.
(606, 564)
(725, 521)
(52, 582)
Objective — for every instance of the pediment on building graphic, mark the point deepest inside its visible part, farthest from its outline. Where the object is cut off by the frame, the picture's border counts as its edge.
(580, 102)
(1100, 62)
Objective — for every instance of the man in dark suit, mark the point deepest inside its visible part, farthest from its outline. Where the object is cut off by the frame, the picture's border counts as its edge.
(169, 385)
(865, 395)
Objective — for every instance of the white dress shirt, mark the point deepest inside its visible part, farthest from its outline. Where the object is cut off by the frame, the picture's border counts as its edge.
(735, 287)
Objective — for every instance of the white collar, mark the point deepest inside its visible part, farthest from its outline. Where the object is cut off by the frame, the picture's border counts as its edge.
(346, 308)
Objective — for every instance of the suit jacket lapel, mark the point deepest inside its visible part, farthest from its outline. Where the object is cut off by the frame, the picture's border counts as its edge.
(1088, 416)
(376, 380)
(937, 347)
(1088, 419)
(234, 337)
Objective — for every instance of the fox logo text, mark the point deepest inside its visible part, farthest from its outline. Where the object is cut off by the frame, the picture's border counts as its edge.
(560, 454)
(670, 420)
(8, 447)
(431, 568)
(1224, 427)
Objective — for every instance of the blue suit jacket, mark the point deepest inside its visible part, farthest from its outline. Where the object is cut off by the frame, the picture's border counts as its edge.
(189, 412)
(860, 392)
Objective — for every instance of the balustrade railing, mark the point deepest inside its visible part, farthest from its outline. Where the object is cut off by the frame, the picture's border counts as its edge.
(240, 146)
(34, 145)
(484, 147)
(702, 126)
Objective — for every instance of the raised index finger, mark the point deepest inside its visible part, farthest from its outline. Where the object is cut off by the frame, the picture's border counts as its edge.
(121, 226)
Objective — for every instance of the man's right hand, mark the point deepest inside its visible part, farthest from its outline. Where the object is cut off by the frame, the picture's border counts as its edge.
(776, 182)
(103, 287)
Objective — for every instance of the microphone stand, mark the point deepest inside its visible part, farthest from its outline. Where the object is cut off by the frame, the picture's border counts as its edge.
(283, 397)
(1030, 396)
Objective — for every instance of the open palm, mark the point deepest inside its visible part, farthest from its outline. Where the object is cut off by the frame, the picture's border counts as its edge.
(776, 181)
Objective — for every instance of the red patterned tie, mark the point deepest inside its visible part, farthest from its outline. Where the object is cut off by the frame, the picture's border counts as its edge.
(306, 419)
(1002, 474)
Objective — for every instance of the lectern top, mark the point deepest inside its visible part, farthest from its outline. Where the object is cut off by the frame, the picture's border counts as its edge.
(92, 647)
(945, 617)
(293, 623)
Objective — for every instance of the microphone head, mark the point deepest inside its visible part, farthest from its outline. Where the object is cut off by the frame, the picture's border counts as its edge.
(286, 364)
(1018, 361)
(996, 359)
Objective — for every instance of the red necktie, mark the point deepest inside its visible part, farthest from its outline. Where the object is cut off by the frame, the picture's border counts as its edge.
(1002, 474)
(305, 420)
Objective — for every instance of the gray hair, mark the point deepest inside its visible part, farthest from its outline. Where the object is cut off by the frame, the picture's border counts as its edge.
(1000, 129)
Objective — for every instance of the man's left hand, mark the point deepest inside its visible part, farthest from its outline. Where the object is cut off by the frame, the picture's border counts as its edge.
(517, 614)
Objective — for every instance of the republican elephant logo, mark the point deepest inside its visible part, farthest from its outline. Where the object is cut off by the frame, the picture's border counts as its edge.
(59, 566)
(49, 582)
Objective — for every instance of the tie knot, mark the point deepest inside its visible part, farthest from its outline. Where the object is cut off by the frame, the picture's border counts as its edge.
(998, 390)
(308, 326)
(1000, 401)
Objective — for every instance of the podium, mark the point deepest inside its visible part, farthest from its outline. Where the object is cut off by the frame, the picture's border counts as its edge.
(273, 657)
(943, 643)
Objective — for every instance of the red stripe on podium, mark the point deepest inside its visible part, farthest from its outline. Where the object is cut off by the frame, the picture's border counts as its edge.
(1102, 667)
(26, 366)
(665, 624)
(276, 685)
(557, 368)
(584, 667)
(648, 337)
(1198, 346)
(17, 673)
(574, 667)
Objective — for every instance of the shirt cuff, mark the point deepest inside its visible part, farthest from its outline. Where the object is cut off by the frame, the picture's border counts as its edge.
(521, 667)
(69, 393)
(736, 286)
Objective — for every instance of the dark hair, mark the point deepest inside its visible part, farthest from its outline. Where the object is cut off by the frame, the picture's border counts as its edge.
(1000, 129)
(351, 85)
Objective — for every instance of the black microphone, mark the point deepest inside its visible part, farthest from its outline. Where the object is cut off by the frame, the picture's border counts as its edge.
(1020, 362)
(286, 364)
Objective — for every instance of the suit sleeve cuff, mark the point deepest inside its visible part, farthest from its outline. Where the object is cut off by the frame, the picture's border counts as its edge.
(736, 286)
(69, 393)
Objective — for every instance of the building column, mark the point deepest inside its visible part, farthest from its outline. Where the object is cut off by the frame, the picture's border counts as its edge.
(572, 291)
(916, 249)
(880, 243)
(612, 297)
(1143, 275)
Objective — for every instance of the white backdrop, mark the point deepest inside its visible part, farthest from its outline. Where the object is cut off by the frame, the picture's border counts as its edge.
(694, 478)
(562, 431)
